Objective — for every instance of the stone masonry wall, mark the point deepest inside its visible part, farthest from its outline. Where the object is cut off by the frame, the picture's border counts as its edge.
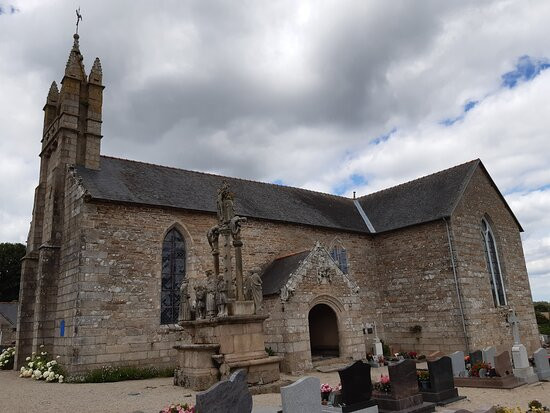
(119, 289)
(487, 324)
(288, 327)
(417, 287)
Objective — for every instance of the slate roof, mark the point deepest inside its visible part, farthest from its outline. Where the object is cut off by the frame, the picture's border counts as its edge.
(276, 274)
(120, 180)
(422, 200)
(9, 311)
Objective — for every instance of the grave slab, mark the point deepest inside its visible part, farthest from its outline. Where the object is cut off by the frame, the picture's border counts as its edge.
(442, 390)
(302, 396)
(404, 396)
(488, 354)
(541, 363)
(227, 396)
(457, 360)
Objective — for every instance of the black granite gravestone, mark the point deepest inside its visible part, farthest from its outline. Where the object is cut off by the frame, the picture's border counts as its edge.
(227, 396)
(356, 387)
(476, 357)
(442, 387)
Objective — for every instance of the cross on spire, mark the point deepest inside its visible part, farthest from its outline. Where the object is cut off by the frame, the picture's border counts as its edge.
(78, 18)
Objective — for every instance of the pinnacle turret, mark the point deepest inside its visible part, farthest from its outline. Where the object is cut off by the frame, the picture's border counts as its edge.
(96, 74)
(53, 94)
(75, 65)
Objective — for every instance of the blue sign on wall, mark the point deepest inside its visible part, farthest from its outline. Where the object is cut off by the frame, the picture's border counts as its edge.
(62, 328)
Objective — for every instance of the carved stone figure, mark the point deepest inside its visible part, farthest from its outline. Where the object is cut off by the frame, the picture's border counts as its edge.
(235, 226)
(221, 297)
(213, 235)
(255, 283)
(224, 203)
(185, 302)
(200, 294)
(210, 294)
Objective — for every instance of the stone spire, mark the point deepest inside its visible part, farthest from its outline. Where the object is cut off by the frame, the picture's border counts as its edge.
(96, 74)
(53, 94)
(75, 66)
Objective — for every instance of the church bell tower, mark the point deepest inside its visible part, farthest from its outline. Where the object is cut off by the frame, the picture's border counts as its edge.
(71, 136)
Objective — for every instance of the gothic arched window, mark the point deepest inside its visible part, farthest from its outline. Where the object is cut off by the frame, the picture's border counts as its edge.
(173, 273)
(340, 257)
(493, 264)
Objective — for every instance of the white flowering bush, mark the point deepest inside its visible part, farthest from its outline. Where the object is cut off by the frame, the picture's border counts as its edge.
(6, 358)
(40, 367)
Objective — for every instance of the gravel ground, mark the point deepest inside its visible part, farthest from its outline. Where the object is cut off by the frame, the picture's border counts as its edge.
(149, 396)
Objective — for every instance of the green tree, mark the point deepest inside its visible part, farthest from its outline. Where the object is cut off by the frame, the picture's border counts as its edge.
(10, 270)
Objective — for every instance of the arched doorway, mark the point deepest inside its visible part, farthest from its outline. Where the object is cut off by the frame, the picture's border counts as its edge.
(323, 332)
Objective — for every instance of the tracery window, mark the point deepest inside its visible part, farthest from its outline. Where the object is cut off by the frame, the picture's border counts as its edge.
(173, 273)
(340, 257)
(493, 264)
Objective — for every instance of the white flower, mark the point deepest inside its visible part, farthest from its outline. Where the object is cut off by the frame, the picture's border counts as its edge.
(58, 357)
(41, 345)
(43, 353)
(28, 359)
(60, 379)
(53, 362)
(31, 364)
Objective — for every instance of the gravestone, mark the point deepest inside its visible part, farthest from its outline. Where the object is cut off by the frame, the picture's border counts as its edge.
(227, 396)
(403, 379)
(404, 395)
(522, 368)
(541, 363)
(476, 357)
(459, 367)
(503, 366)
(302, 396)
(489, 355)
(356, 387)
(442, 389)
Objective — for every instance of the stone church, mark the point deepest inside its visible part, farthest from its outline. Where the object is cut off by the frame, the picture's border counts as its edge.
(433, 264)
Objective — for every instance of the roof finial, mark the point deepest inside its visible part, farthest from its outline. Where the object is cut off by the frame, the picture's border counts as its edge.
(78, 19)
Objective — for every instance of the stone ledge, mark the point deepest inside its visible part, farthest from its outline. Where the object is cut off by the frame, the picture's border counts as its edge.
(256, 362)
(232, 319)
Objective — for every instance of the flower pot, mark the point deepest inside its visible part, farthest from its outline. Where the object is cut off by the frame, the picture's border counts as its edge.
(324, 395)
(482, 373)
(424, 384)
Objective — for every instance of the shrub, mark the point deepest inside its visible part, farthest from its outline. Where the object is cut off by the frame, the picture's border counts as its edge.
(42, 367)
(6, 358)
(269, 351)
(107, 374)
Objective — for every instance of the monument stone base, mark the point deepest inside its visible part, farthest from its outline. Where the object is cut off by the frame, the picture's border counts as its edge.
(526, 374)
(506, 382)
(412, 404)
(367, 407)
(220, 347)
(443, 397)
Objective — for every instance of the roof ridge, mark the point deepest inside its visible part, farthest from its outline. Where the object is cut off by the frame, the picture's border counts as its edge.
(419, 178)
(230, 177)
(290, 255)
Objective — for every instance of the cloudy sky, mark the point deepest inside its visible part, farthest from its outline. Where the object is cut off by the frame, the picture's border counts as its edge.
(336, 96)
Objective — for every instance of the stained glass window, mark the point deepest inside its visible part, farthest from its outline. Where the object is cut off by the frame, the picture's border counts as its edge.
(173, 272)
(493, 264)
(340, 257)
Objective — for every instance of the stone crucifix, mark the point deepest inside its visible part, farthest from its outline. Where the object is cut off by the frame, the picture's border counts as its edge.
(514, 323)
(229, 227)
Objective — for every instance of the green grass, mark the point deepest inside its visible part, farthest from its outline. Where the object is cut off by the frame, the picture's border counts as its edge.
(108, 374)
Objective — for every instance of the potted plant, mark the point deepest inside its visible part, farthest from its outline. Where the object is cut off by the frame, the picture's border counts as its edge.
(480, 369)
(326, 389)
(423, 377)
(384, 385)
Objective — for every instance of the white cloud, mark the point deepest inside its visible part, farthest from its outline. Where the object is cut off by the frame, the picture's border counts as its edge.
(276, 90)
